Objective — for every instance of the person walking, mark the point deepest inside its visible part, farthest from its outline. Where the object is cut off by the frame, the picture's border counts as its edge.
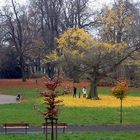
(84, 91)
(74, 92)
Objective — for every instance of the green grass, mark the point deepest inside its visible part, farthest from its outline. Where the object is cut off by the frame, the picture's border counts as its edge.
(24, 112)
(27, 93)
(83, 115)
(78, 136)
(20, 113)
(131, 91)
(134, 92)
(71, 115)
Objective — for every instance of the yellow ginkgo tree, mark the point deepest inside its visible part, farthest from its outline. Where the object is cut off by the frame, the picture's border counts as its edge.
(83, 56)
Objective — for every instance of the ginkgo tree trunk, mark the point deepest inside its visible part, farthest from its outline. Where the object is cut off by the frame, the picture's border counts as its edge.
(93, 94)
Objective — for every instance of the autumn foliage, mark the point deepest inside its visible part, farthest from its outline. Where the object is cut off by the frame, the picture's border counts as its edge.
(50, 98)
(120, 90)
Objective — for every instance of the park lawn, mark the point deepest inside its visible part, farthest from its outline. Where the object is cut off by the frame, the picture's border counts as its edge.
(89, 116)
(78, 136)
(131, 92)
(79, 115)
(34, 90)
(71, 115)
(27, 93)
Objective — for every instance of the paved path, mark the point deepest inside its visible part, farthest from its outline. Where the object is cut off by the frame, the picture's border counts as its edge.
(89, 128)
(7, 99)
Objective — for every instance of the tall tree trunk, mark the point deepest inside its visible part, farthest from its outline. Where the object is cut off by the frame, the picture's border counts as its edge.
(23, 73)
(22, 66)
(50, 69)
(93, 94)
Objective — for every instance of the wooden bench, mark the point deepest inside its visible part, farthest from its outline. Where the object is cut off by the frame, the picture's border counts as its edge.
(62, 126)
(15, 126)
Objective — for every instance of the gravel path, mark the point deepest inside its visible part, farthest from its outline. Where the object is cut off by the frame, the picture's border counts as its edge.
(7, 99)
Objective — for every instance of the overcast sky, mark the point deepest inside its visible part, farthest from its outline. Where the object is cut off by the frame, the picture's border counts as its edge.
(99, 3)
(2, 2)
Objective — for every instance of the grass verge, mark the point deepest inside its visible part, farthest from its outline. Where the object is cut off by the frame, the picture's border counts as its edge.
(78, 136)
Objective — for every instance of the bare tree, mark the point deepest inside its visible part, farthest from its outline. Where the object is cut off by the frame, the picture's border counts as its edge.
(55, 16)
(77, 14)
(17, 32)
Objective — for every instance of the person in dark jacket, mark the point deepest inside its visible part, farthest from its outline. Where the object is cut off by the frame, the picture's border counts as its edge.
(74, 92)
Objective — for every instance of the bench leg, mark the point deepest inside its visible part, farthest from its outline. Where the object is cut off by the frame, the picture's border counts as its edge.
(64, 130)
(56, 130)
(25, 130)
(44, 130)
(5, 130)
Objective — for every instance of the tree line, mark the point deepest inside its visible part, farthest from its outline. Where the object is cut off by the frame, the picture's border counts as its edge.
(28, 35)
(30, 30)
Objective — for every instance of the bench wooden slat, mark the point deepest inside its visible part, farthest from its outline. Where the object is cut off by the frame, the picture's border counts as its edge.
(16, 125)
(59, 125)
(54, 126)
